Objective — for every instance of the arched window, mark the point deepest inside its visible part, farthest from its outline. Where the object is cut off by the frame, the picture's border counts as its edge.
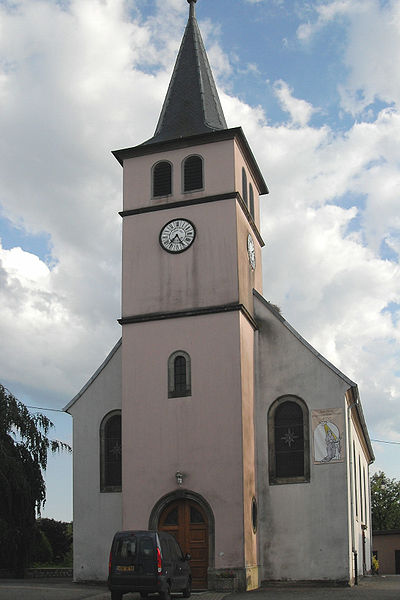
(162, 178)
(111, 452)
(288, 430)
(193, 173)
(179, 375)
(244, 186)
(251, 200)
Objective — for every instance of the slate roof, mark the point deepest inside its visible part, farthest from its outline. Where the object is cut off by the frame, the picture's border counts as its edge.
(192, 105)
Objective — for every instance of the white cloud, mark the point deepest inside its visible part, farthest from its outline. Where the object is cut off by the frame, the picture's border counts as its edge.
(373, 42)
(300, 111)
(78, 82)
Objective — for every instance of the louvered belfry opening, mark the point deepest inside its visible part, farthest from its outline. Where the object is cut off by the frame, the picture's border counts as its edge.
(244, 186)
(193, 173)
(162, 179)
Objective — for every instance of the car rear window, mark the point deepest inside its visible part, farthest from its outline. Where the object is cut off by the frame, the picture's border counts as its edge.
(146, 547)
(126, 547)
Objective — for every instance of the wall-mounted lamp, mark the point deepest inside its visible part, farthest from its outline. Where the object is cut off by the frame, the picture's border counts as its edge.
(179, 477)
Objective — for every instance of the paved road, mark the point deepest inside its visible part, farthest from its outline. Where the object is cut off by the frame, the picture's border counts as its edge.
(371, 588)
(34, 589)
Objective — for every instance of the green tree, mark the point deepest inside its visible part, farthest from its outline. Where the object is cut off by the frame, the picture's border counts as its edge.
(42, 552)
(24, 446)
(59, 535)
(385, 502)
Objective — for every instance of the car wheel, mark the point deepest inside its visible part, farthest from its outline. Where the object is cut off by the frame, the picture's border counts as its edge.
(143, 594)
(166, 595)
(116, 595)
(188, 589)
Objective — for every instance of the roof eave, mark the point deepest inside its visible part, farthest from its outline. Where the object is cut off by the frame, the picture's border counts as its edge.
(93, 377)
(199, 139)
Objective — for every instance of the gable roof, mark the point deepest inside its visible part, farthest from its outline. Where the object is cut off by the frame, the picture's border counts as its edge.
(352, 386)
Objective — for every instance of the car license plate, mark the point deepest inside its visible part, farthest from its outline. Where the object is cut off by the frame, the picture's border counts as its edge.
(128, 568)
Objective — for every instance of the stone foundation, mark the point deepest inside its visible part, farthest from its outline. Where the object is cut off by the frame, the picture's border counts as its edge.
(240, 579)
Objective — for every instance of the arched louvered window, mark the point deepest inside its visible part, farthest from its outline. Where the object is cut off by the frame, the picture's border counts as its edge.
(179, 375)
(193, 173)
(162, 178)
(251, 200)
(244, 186)
(289, 455)
(111, 453)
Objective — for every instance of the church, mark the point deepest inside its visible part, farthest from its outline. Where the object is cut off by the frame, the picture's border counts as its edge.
(212, 418)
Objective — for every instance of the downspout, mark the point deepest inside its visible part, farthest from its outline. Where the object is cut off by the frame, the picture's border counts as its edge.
(350, 451)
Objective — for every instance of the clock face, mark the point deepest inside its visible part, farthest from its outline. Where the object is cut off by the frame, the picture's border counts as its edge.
(251, 252)
(177, 235)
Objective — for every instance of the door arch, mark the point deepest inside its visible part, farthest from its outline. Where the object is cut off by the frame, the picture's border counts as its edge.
(190, 521)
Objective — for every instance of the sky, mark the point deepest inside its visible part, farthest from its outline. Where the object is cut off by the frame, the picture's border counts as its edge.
(315, 85)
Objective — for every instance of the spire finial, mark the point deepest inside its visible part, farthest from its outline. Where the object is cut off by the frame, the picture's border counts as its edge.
(192, 9)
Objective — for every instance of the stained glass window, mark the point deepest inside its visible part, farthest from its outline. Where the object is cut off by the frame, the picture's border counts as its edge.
(288, 441)
(111, 452)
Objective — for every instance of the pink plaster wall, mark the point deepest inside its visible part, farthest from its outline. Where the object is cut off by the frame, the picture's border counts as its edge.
(204, 275)
(240, 162)
(248, 279)
(248, 441)
(218, 174)
(199, 435)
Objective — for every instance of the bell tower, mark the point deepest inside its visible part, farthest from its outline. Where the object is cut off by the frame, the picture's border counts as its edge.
(191, 259)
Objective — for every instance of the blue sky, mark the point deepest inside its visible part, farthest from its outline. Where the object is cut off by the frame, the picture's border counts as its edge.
(316, 87)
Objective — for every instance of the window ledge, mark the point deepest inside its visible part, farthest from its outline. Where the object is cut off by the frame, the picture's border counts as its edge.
(288, 480)
(111, 489)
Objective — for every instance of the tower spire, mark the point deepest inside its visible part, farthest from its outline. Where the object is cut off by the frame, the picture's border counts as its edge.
(192, 104)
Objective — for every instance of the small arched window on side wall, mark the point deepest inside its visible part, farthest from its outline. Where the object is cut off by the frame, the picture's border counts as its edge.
(111, 453)
(289, 441)
(179, 375)
(162, 178)
(193, 173)
(251, 200)
(244, 186)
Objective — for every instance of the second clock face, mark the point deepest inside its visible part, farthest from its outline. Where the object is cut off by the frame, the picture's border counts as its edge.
(177, 235)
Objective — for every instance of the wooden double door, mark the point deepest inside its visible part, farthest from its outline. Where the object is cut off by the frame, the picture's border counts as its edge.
(188, 523)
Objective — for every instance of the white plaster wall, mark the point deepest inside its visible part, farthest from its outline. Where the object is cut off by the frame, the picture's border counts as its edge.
(97, 516)
(303, 528)
(360, 505)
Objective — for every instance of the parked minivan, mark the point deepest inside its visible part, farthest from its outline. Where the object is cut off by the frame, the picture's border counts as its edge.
(148, 562)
